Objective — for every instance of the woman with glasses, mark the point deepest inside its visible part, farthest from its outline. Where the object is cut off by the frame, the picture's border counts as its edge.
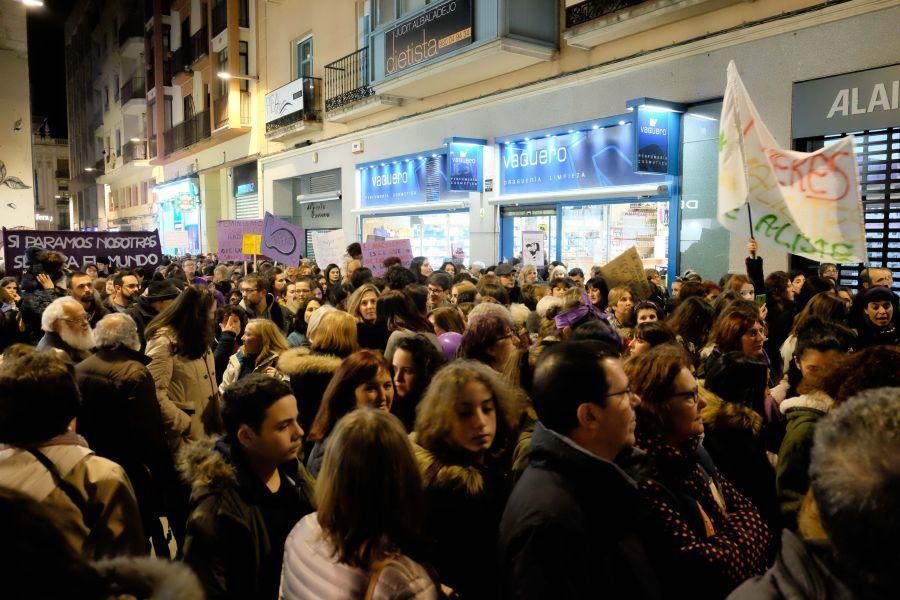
(708, 537)
(489, 339)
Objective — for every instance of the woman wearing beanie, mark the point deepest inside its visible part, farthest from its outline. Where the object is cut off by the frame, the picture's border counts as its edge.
(877, 326)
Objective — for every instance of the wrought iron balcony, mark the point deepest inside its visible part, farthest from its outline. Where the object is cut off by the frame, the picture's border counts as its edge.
(310, 111)
(347, 80)
(132, 151)
(181, 60)
(133, 88)
(188, 132)
(594, 9)
(199, 45)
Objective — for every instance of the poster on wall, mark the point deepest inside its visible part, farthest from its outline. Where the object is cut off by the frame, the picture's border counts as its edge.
(282, 240)
(374, 253)
(437, 31)
(130, 250)
(534, 249)
(230, 235)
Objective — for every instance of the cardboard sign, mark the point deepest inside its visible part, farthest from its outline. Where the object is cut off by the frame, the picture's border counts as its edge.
(252, 244)
(231, 238)
(627, 270)
(133, 249)
(533, 248)
(328, 247)
(374, 254)
(282, 240)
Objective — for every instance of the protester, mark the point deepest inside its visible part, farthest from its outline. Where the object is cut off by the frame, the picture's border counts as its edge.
(363, 379)
(439, 284)
(371, 331)
(40, 284)
(66, 329)
(79, 287)
(876, 323)
(248, 491)
(490, 340)
(691, 322)
(708, 537)
(446, 319)
(650, 334)
(261, 304)
(414, 364)
(825, 305)
(620, 304)
(645, 311)
(179, 346)
(300, 324)
(398, 311)
(156, 298)
(350, 549)
(43, 458)
(421, 268)
(126, 290)
(571, 528)
(263, 345)
(466, 427)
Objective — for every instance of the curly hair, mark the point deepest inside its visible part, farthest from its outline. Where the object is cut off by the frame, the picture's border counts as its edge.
(652, 376)
(872, 367)
(437, 410)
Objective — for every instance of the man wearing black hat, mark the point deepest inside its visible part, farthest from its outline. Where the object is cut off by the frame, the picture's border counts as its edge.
(158, 295)
(507, 274)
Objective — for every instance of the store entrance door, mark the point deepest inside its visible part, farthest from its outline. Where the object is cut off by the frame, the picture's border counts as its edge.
(516, 219)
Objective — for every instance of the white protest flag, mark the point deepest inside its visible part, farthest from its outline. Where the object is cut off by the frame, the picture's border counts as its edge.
(806, 203)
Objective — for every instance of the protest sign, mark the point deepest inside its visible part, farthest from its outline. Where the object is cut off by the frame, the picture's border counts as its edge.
(231, 238)
(251, 244)
(282, 240)
(132, 250)
(806, 203)
(627, 269)
(328, 247)
(374, 254)
(533, 249)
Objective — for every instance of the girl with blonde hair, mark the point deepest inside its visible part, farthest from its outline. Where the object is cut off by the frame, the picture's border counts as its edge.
(263, 344)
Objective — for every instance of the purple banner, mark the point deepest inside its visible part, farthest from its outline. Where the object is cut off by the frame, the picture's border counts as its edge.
(231, 237)
(282, 240)
(126, 249)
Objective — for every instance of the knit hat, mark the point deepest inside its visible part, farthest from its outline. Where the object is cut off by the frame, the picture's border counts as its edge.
(878, 294)
(161, 290)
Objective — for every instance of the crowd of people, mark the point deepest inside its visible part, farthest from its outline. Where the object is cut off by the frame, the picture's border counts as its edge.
(506, 431)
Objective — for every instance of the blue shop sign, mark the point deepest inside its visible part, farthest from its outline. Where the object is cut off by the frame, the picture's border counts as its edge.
(653, 140)
(584, 159)
(403, 181)
(464, 167)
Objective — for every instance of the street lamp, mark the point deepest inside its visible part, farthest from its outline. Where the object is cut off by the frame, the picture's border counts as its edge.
(227, 75)
(33, 3)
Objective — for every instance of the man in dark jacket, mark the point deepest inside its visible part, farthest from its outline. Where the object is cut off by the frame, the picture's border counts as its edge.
(570, 528)
(81, 287)
(120, 415)
(248, 491)
(260, 304)
(158, 296)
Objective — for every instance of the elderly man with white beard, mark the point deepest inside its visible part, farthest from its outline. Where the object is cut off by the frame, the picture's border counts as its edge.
(66, 329)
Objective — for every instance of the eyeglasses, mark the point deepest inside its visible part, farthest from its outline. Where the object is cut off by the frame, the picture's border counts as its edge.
(756, 332)
(249, 290)
(435, 290)
(78, 321)
(627, 390)
(692, 396)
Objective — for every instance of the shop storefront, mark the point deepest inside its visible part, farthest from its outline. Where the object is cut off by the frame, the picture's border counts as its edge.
(423, 198)
(178, 211)
(594, 189)
(317, 206)
(865, 104)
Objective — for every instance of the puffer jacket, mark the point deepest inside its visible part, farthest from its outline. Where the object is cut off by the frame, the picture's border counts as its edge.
(184, 388)
(310, 570)
(228, 543)
(309, 372)
(108, 522)
(236, 365)
(792, 471)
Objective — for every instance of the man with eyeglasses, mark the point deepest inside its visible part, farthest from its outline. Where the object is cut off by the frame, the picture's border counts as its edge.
(439, 284)
(66, 329)
(260, 304)
(570, 528)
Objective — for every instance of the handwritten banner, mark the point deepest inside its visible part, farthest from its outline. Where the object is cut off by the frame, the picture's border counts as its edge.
(251, 244)
(374, 254)
(627, 269)
(806, 203)
(282, 240)
(231, 238)
(130, 250)
(328, 247)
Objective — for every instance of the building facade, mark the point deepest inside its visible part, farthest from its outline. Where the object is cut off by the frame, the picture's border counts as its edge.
(558, 103)
(51, 179)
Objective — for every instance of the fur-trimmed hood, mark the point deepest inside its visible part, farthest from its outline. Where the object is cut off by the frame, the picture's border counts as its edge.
(205, 464)
(303, 361)
(719, 414)
(819, 401)
(149, 578)
(445, 476)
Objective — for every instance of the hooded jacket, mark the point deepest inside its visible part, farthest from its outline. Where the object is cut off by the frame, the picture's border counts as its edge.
(274, 312)
(464, 503)
(792, 472)
(228, 543)
(571, 527)
(309, 372)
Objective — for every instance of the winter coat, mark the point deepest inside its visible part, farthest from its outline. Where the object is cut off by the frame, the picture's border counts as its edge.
(228, 543)
(700, 550)
(53, 341)
(101, 517)
(149, 578)
(236, 365)
(733, 437)
(801, 570)
(273, 312)
(373, 335)
(226, 346)
(121, 420)
(310, 372)
(32, 307)
(464, 503)
(571, 528)
(792, 472)
(185, 387)
(142, 312)
(310, 570)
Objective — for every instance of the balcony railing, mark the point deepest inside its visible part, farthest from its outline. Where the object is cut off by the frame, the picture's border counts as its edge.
(199, 45)
(347, 80)
(151, 145)
(132, 151)
(312, 102)
(594, 9)
(188, 132)
(181, 60)
(219, 17)
(134, 88)
(130, 29)
(167, 75)
(220, 112)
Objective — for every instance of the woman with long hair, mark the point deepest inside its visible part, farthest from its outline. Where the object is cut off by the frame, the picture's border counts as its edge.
(450, 268)
(447, 319)
(781, 311)
(490, 339)
(300, 324)
(466, 427)
(691, 322)
(528, 275)
(621, 300)
(710, 537)
(332, 276)
(348, 548)
(739, 330)
(363, 380)
(263, 344)
(398, 311)
(363, 306)
(179, 346)
(421, 268)
(414, 364)
(827, 306)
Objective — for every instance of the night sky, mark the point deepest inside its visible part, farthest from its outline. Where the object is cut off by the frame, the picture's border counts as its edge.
(47, 63)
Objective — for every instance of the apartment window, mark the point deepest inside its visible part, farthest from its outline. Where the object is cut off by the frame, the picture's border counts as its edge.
(188, 107)
(118, 142)
(389, 10)
(244, 59)
(105, 97)
(244, 13)
(305, 57)
(223, 66)
(116, 87)
(144, 192)
(168, 109)
(151, 118)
